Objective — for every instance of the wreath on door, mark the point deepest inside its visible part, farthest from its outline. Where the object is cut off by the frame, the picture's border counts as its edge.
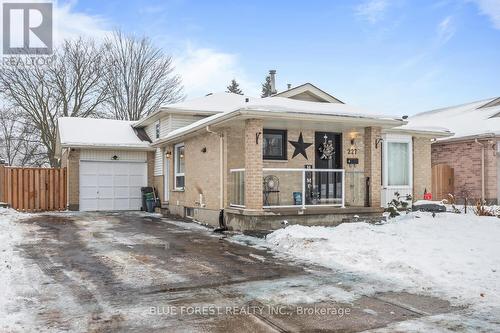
(326, 149)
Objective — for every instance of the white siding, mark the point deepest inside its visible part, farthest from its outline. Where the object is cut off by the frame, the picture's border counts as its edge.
(165, 127)
(151, 131)
(167, 124)
(158, 162)
(106, 155)
(179, 120)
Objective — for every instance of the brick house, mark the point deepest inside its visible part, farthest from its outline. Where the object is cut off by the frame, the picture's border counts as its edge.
(472, 150)
(301, 155)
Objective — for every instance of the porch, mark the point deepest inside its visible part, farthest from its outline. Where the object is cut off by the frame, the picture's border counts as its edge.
(301, 196)
(294, 188)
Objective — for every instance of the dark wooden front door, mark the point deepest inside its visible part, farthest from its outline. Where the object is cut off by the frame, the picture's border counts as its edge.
(328, 155)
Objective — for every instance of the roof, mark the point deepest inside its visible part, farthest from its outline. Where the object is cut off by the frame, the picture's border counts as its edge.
(206, 106)
(278, 107)
(99, 133)
(469, 120)
(310, 89)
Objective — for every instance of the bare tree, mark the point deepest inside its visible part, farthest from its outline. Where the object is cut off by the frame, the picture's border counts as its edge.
(19, 142)
(141, 77)
(71, 85)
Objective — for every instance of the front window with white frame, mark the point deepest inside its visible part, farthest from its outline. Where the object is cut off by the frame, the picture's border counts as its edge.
(179, 166)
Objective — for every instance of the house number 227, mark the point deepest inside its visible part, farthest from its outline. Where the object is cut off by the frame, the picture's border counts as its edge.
(352, 151)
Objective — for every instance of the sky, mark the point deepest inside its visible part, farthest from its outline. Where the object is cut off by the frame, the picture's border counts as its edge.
(388, 56)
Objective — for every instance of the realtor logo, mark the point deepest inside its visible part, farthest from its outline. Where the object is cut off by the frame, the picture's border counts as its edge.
(27, 28)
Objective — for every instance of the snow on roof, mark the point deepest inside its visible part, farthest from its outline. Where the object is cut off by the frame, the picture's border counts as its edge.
(466, 120)
(206, 105)
(91, 132)
(289, 105)
(214, 103)
(232, 104)
(227, 102)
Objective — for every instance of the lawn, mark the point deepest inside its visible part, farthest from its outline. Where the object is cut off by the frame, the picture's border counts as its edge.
(453, 256)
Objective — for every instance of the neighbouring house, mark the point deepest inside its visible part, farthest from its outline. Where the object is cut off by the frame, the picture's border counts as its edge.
(301, 155)
(470, 154)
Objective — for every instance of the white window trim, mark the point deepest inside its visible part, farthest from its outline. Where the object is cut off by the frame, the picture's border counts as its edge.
(157, 129)
(385, 169)
(178, 174)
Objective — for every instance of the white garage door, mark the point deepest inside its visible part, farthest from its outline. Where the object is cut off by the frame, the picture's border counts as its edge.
(111, 185)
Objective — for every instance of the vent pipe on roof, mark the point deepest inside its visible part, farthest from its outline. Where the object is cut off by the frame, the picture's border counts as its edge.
(288, 86)
(272, 75)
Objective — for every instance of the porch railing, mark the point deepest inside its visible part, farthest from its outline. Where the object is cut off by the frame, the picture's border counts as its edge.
(293, 188)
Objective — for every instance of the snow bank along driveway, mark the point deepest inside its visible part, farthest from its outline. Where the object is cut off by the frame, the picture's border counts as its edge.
(453, 256)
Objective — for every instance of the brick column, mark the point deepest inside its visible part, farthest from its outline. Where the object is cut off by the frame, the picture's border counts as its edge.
(73, 165)
(373, 164)
(253, 164)
(422, 169)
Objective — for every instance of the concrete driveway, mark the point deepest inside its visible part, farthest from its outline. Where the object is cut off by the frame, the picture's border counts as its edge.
(105, 272)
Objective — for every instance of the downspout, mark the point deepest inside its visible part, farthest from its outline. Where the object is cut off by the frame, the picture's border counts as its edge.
(482, 168)
(221, 166)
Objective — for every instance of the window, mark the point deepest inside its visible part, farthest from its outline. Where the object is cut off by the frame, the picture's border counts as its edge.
(274, 144)
(189, 212)
(157, 129)
(179, 163)
(398, 163)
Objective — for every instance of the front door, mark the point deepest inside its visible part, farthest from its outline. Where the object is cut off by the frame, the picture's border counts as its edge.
(328, 155)
(397, 168)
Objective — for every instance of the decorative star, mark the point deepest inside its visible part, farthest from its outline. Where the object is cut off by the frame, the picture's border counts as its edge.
(300, 146)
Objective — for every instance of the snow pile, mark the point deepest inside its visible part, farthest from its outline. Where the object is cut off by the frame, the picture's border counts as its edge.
(452, 256)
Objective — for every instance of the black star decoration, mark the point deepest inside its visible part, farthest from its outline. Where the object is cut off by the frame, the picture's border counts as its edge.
(300, 146)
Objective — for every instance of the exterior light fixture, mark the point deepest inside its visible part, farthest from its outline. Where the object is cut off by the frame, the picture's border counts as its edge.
(168, 154)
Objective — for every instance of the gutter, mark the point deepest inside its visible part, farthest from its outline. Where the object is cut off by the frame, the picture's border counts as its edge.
(106, 147)
(469, 137)
(431, 134)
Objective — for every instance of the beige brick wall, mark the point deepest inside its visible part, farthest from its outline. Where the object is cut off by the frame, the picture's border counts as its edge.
(201, 173)
(253, 164)
(465, 158)
(373, 164)
(241, 151)
(422, 170)
(158, 184)
(73, 164)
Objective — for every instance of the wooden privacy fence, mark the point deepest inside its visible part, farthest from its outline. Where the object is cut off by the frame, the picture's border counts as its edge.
(442, 181)
(33, 189)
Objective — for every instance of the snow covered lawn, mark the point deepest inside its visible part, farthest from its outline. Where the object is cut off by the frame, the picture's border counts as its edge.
(16, 276)
(453, 256)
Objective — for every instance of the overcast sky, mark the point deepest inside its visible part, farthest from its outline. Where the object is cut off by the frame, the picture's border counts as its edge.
(390, 56)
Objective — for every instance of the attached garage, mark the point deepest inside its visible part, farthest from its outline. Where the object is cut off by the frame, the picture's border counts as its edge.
(107, 162)
(111, 185)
